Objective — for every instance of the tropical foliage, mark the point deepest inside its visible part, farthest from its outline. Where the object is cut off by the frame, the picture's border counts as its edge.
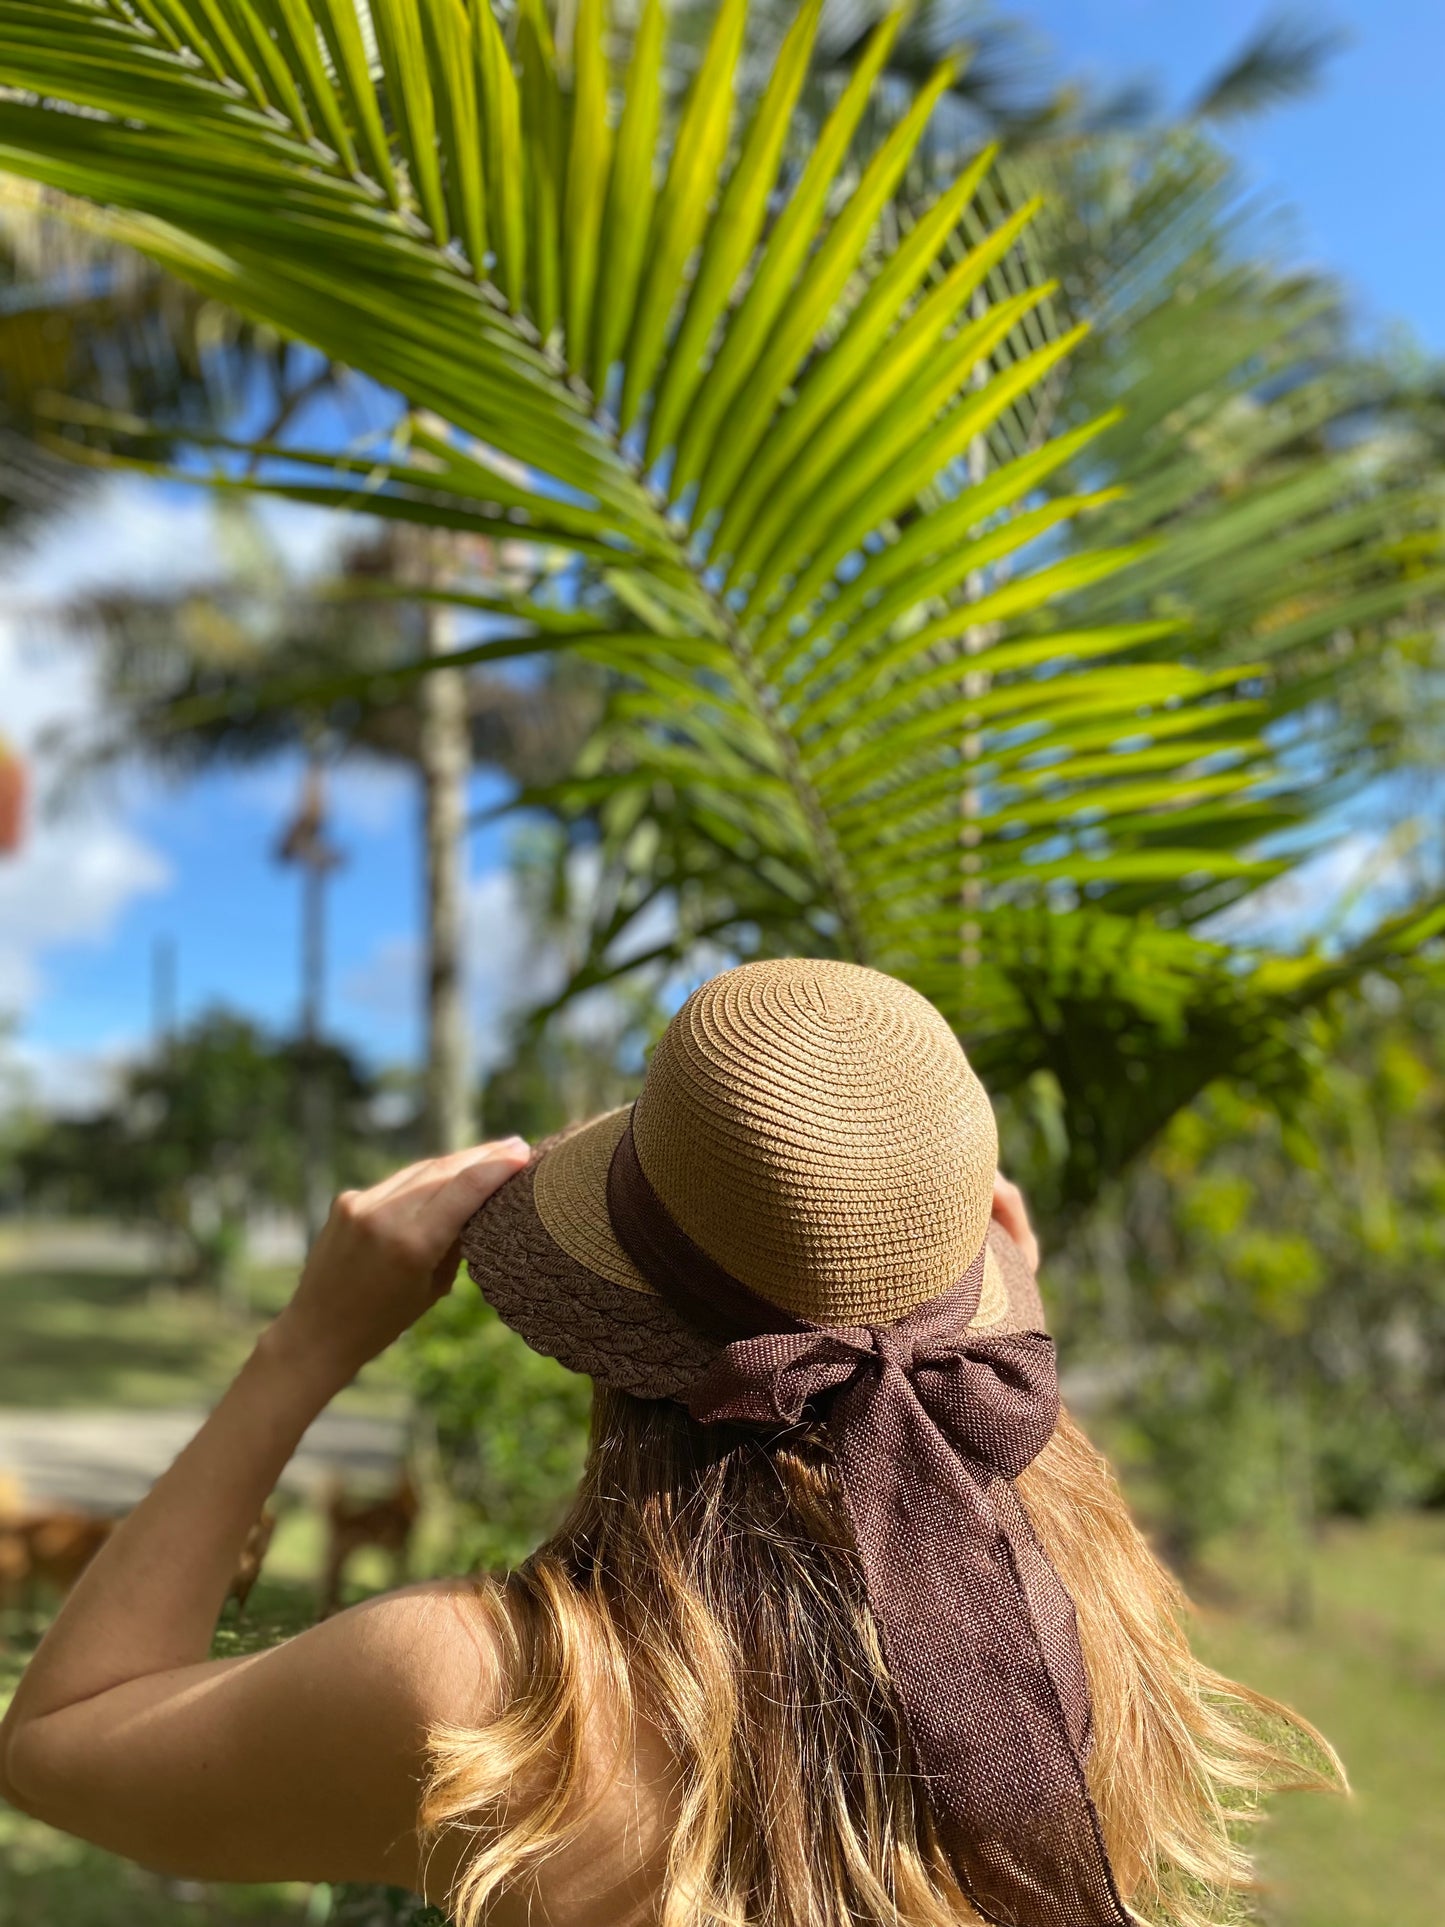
(200, 1140)
(509, 1427)
(1290, 481)
(1264, 1296)
(776, 422)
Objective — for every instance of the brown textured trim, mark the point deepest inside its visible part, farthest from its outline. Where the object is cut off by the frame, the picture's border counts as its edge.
(706, 1295)
(629, 1339)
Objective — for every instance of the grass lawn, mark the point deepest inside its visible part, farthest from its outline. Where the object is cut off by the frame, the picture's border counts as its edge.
(83, 1339)
(1370, 1672)
(118, 1338)
(48, 1880)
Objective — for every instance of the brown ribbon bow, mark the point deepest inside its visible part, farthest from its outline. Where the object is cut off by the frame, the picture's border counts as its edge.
(929, 1422)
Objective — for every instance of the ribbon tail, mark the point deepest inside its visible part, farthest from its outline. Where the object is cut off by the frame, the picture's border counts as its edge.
(1052, 1614)
(996, 1703)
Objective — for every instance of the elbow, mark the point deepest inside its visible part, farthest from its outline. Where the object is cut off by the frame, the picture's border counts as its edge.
(13, 1774)
(28, 1780)
(44, 1777)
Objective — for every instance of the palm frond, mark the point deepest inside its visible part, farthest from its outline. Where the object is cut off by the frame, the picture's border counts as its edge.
(1284, 498)
(1281, 60)
(789, 442)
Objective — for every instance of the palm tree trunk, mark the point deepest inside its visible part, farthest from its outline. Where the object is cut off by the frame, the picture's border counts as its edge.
(307, 844)
(445, 746)
(976, 638)
(317, 1168)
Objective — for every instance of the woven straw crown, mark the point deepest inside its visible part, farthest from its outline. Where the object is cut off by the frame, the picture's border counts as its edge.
(816, 1129)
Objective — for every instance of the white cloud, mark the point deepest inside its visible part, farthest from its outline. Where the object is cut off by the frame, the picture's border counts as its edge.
(507, 969)
(42, 682)
(69, 1083)
(76, 871)
(83, 864)
(68, 884)
(131, 532)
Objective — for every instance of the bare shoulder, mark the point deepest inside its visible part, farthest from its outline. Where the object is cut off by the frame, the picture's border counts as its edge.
(608, 1857)
(433, 1645)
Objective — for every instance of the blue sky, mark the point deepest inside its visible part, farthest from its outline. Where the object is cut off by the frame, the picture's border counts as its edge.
(1362, 163)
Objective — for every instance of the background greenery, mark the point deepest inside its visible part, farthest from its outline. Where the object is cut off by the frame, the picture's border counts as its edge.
(938, 532)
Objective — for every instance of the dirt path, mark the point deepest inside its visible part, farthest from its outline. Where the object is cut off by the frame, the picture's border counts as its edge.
(103, 1461)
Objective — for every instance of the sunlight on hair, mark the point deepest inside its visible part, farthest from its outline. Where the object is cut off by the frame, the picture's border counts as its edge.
(705, 1582)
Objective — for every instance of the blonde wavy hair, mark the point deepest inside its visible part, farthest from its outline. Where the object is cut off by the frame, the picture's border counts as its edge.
(705, 1580)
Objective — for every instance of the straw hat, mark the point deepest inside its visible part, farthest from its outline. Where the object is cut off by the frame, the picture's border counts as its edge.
(815, 1128)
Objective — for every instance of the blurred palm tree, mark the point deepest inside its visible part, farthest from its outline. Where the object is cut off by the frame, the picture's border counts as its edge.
(178, 676)
(83, 317)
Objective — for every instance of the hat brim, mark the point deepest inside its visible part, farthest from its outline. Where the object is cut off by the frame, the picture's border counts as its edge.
(543, 1253)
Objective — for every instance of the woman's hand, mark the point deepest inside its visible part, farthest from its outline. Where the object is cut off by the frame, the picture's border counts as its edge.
(386, 1255)
(1012, 1213)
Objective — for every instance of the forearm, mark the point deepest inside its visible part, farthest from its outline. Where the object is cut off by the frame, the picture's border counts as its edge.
(151, 1597)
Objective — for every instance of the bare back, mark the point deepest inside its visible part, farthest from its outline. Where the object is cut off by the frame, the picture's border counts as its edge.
(610, 1872)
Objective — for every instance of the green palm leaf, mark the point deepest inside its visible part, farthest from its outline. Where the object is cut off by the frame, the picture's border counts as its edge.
(735, 392)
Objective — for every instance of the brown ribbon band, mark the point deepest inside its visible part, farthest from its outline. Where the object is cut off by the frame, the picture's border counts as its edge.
(929, 1422)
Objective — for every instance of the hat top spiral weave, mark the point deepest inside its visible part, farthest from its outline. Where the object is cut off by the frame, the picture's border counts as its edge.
(816, 1128)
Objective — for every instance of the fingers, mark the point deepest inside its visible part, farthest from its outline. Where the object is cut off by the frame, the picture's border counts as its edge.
(431, 1173)
(421, 1209)
(467, 1189)
(1011, 1211)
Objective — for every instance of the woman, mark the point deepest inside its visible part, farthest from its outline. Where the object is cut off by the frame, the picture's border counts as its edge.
(849, 1624)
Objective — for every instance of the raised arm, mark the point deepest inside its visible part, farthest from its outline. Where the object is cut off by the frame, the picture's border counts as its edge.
(304, 1761)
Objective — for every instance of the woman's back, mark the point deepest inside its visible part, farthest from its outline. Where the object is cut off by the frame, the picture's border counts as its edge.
(610, 1868)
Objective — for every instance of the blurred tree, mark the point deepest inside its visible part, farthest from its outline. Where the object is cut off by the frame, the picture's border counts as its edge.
(1266, 1289)
(306, 845)
(86, 317)
(180, 675)
(510, 1428)
(199, 1139)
